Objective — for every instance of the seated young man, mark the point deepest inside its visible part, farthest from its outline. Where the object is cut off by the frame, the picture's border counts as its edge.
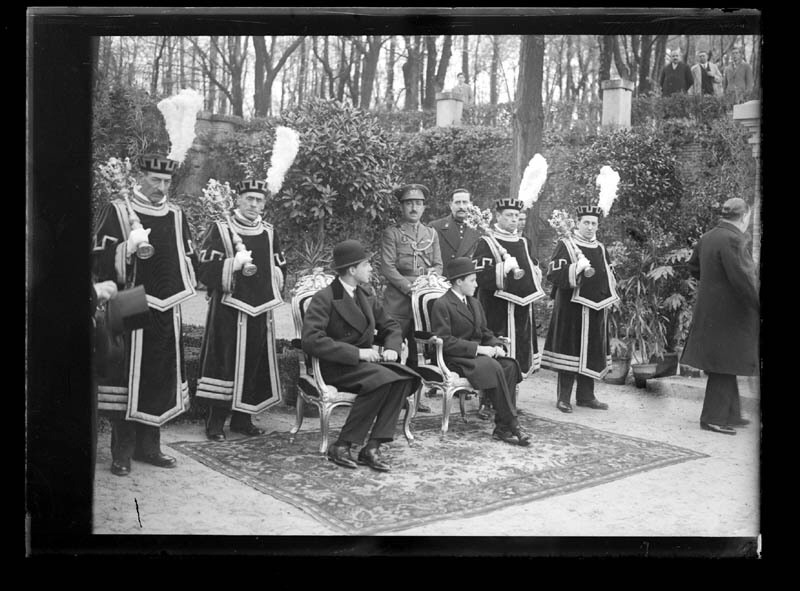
(471, 349)
(339, 328)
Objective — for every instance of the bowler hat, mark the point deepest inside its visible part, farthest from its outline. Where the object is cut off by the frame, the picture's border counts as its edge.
(411, 191)
(459, 267)
(348, 253)
(252, 186)
(594, 210)
(157, 163)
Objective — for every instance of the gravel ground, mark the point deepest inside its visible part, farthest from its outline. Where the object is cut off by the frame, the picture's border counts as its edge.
(717, 496)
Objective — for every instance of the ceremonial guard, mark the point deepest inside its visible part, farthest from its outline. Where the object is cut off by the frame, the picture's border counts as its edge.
(142, 239)
(408, 249)
(456, 237)
(584, 288)
(238, 359)
(509, 281)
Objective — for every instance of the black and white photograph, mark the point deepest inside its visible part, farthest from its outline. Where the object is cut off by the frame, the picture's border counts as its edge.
(394, 281)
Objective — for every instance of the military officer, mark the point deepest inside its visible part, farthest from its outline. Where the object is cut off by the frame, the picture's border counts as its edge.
(408, 249)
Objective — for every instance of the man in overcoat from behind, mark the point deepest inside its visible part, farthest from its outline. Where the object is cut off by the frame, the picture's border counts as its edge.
(723, 339)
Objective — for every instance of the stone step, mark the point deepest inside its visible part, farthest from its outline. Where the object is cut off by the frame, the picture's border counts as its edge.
(695, 388)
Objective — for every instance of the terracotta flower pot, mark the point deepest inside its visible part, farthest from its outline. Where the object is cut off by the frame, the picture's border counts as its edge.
(643, 372)
(619, 371)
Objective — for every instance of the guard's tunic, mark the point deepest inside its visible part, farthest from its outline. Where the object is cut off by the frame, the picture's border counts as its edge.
(508, 302)
(238, 358)
(148, 383)
(577, 338)
(407, 251)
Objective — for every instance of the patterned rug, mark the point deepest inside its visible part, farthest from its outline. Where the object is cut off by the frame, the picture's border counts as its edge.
(463, 475)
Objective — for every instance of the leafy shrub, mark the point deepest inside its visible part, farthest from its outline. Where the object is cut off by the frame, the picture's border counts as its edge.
(340, 184)
(405, 121)
(445, 158)
(653, 110)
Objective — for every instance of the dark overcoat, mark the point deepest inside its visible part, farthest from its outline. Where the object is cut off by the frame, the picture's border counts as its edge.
(725, 326)
(462, 329)
(335, 328)
(455, 240)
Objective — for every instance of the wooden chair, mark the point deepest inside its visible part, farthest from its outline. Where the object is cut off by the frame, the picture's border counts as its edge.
(435, 374)
(312, 388)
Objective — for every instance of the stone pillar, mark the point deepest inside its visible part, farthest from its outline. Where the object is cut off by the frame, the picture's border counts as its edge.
(449, 107)
(616, 103)
(208, 128)
(749, 115)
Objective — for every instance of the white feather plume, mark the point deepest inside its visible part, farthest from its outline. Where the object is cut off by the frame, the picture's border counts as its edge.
(532, 180)
(607, 180)
(180, 116)
(284, 151)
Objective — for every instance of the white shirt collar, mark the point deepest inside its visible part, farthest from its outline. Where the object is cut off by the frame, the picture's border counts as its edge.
(461, 297)
(351, 290)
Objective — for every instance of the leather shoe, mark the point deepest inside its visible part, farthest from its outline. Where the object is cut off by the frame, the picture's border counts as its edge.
(371, 456)
(740, 423)
(507, 436)
(522, 435)
(423, 407)
(121, 468)
(340, 454)
(595, 404)
(157, 459)
(724, 429)
(564, 406)
(249, 430)
(216, 436)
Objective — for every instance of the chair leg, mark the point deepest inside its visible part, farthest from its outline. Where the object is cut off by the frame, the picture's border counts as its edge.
(461, 396)
(298, 420)
(324, 419)
(447, 398)
(410, 413)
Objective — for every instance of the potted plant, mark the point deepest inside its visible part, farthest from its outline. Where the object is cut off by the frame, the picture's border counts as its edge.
(618, 347)
(641, 311)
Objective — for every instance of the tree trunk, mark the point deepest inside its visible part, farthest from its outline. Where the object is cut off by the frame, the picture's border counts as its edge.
(689, 57)
(261, 67)
(301, 84)
(212, 74)
(493, 69)
(444, 62)
(527, 123)
(157, 54)
(606, 52)
(390, 61)
(429, 100)
(411, 72)
(355, 81)
(646, 46)
(465, 56)
(622, 68)
(194, 70)
(371, 59)
(169, 73)
(131, 76)
(659, 58)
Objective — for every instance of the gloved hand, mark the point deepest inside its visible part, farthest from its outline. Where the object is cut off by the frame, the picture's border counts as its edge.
(537, 272)
(241, 259)
(582, 265)
(278, 276)
(509, 265)
(137, 237)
